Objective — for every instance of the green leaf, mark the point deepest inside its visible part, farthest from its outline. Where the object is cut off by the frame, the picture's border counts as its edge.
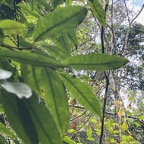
(6, 131)
(11, 27)
(32, 4)
(20, 89)
(98, 11)
(95, 61)
(30, 119)
(124, 126)
(141, 118)
(59, 22)
(65, 43)
(52, 91)
(1, 36)
(68, 140)
(55, 3)
(89, 134)
(82, 93)
(68, 2)
(3, 140)
(30, 58)
(73, 37)
(56, 52)
(5, 74)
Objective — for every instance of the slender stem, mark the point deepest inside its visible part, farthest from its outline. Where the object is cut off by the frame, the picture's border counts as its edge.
(107, 83)
(102, 39)
(104, 108)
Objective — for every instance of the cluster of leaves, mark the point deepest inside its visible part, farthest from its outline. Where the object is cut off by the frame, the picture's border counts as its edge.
(36, 42)
(133, 74)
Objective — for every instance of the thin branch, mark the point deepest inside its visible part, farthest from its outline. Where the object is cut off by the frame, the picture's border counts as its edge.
(104, 108)
(79, 107)
(130, 24)
(79, 115)
(107, 83)
(84, 122)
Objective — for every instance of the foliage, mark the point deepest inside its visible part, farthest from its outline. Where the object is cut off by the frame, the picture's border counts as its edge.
(38, 45)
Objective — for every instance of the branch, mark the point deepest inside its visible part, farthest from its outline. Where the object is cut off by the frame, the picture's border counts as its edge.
(104, 108)
(130, 24)
(107, 83)
(79, 115)
(79, 107)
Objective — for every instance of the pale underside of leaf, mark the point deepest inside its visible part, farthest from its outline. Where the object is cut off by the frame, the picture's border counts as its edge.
(5, 74)
(20, 89)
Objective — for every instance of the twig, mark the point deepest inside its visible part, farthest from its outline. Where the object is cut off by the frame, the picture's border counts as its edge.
(79, 107)
(130, 24)
(79, 115)
(84, 122)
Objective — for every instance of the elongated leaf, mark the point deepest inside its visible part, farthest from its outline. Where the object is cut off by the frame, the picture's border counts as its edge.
(56, 52)
(11, 27)
(73, 37)
(67, 140)
(5, 74)
(82, 93)
(52, 91)
(98, 11)
(26, 10)
(1, 36)
(89, 134)
(6, 131)
(65, 43)
(3, 140)
(31, 120)
(55, 3)
(30, 58)
(59, 22)
(20, 89)
(95, 61)
(32, 4)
